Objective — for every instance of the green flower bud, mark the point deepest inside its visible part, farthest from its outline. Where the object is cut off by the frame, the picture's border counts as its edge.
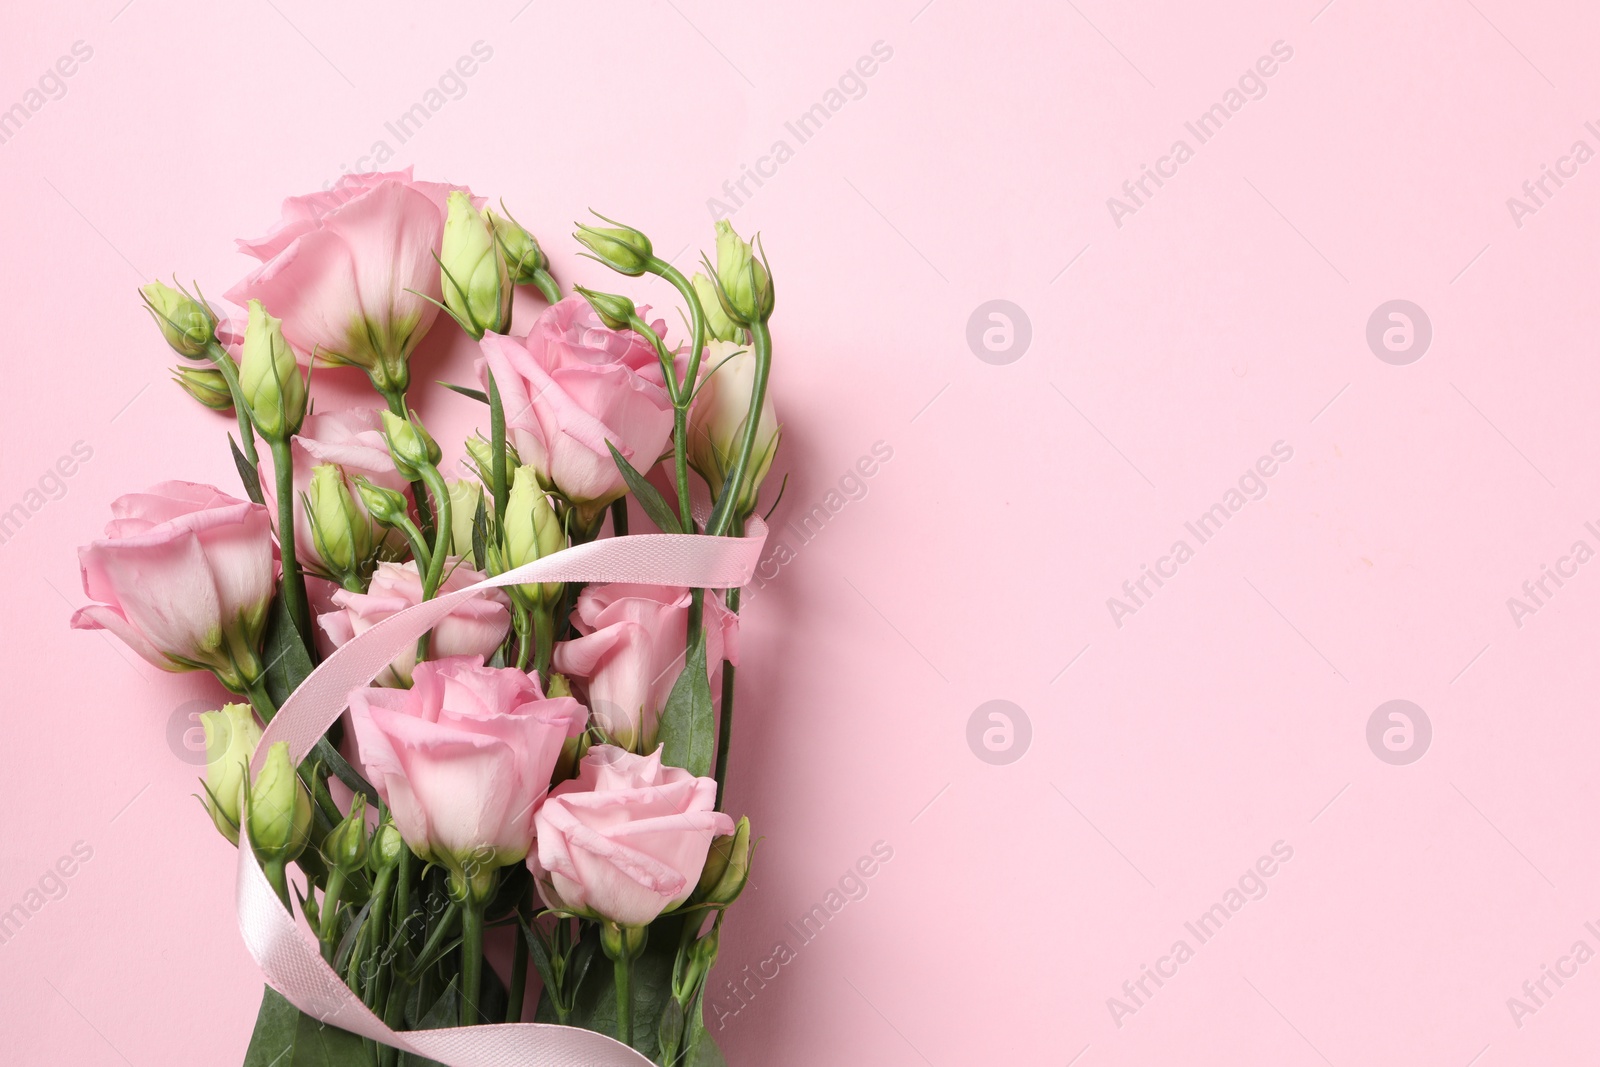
(717, 322)
(480, 454)
(531, 531)
(727, 868)
(345, 847)
(340, 532)
(231, 736)
(280, 809)
(206, 385)
(269, 377)
(386, 506)
(387, 845)
(409, 445)
(186, 323)
(476, 283)
(744, 283)
(622, 248)
(615, 311)
(690, 969)
(522, 254)
(465, 497)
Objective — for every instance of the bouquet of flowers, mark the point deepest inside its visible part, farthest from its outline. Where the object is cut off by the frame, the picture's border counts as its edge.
(542, 754)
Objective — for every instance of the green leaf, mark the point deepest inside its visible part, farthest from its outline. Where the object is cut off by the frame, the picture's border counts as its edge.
(596, 1003)
(247, 472)
(288, 662)
(286, 1037)
(688, 726)
(475, 394)
(645, 493)
(443, 1013)
(480, 536)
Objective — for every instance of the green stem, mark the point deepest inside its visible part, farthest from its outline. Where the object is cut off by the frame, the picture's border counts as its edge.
(522, 624)
(414, 538)
(722, 517)
(547, 285)
(277, 873)
(497, 449)
(436, 936)
(471, 961)
(441, 536)
(622, 973)
(328, 918)
(544, 642)
(725, 727)
(519, 975)
(230, 373)
(619, 517)
(441, 543)
(697, 315)
(293, 582)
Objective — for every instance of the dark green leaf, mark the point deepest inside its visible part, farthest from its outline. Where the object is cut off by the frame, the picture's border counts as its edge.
(287, 660)
(247, 472)
(645, 493)
(285, 1037)
(688, 726)
(480, 536)
(475, 394)
(596, 1003)
(445, 1012)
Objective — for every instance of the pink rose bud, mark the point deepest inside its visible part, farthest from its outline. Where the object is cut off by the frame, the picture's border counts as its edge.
(571, 386)
(474, 628)
(627, 839)
(631, 652)
(184, 576)
(463, 758)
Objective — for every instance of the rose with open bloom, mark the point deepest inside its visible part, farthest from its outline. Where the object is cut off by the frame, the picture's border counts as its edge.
(184, 575)
(351, 440)
(571, 386)
(464, 757)
(631, 652)
(338, 266)
(626, 839)
(473, 628)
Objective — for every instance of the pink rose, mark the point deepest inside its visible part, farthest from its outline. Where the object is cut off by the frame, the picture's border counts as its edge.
(571, 386)
(354, 442)
(464, 757)
(474, 628)
(625, 840)
(632, 651)
(184, 575)
(337, 267)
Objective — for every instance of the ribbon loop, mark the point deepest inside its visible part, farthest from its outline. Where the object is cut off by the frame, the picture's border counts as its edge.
(290, 962)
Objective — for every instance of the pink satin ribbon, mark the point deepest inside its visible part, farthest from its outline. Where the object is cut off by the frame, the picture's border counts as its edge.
(291, 962)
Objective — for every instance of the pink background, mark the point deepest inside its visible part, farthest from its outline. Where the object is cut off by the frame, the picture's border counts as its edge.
(1227, 313)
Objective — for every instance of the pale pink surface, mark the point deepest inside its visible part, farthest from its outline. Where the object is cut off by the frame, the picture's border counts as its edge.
(1220, 318)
